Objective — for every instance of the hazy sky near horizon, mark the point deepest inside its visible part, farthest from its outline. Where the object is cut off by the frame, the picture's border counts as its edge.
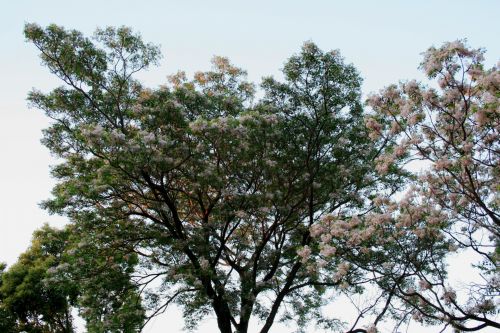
(383, 39)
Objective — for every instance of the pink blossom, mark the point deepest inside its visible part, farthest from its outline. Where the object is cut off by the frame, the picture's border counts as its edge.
(342, 270)
(392, 92)
(400, 150)
(354, 222)
(316, 230)
(474, 73)
(481, 117)
(431, 65)
(424, 285)
(442, 164)
(373, 124)
(429, 96)
(379, 201)
(449, 296)
(491, 79)
(395, 128)
(406, 109)
(467, 147)
(416, 118)
(304, 253)
(489, 98)
(374, 100)
(383, 163)
(322, 263)
(411, 87)
(325, 238)
(466, 162)
(240, 214)
(328, 251)
(417, 316)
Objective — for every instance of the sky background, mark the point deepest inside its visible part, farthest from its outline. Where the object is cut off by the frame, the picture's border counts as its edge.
(383, 39)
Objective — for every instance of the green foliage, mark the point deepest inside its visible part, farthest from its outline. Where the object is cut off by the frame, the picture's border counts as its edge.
(7, 318)
(59, 273)
(31, 302)
(108, 301)
(194, 193)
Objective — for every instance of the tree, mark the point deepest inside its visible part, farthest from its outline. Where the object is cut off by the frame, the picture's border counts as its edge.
(40, 291)
(454, 130)
(29, 302)
(108, 301)
(7, 319)
(220, 198)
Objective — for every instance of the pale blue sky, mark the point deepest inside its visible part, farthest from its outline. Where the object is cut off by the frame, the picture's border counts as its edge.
(383, 39)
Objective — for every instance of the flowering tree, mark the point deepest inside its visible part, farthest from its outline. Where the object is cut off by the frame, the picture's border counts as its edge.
(224, 201)
(454, 130)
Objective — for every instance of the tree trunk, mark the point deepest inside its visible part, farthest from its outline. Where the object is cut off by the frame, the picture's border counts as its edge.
(246, 311)
(223, 315)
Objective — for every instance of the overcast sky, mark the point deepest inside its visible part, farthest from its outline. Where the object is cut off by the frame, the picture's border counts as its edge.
(384, 40)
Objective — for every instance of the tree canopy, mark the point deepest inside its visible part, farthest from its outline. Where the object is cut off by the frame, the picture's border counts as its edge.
(60, 274)
(454, 128)
(28, 301)
(198, 194)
